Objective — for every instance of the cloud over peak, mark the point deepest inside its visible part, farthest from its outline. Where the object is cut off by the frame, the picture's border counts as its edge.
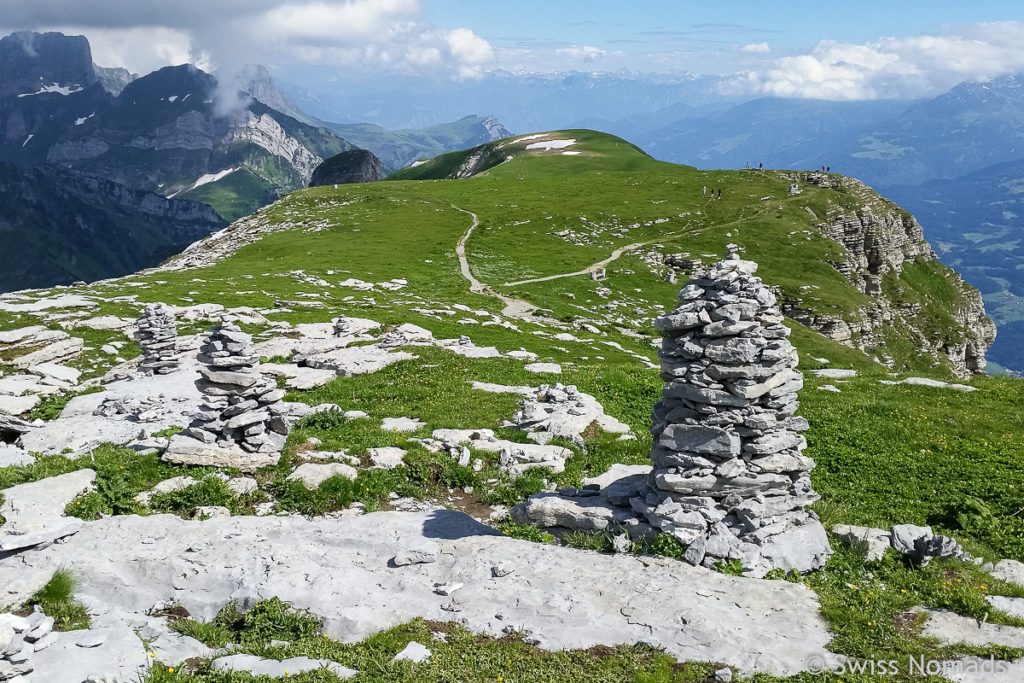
(379, 34)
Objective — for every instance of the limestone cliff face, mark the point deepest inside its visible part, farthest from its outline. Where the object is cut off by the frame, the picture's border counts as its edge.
(267, 133)
(880, 240)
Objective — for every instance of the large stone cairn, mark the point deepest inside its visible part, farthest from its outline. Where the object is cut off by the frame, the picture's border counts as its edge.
(241, 406)
(729, 476)
(158, 338)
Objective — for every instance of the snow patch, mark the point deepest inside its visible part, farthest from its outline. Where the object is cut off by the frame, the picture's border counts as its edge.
(172, 98)
(570, 154)
(205, 180)
(548, 145)
(82, 120)
(32, 135)
(530, 137)
(416, 163)
(54, 87)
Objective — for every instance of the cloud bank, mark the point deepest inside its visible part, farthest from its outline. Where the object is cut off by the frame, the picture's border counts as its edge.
(892, 67)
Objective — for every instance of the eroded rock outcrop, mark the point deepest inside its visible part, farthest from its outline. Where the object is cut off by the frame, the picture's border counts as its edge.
(353, 166)
(880, 240)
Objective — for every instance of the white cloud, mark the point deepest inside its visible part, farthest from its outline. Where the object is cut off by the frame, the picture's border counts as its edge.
(587, 53)
(893, 67)
(387, 35)
(470, 51)
(334, 23)
(756, 47)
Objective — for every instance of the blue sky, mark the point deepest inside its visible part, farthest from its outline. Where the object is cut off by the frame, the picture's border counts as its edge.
(664, 24)
(795, 48)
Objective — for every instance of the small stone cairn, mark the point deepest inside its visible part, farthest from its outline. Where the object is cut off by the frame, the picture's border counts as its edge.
(241, 406)
(729, 475)
(158, 338)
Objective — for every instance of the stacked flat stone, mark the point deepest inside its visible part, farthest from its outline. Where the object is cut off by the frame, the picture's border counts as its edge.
(240, 406)
(729, 476)
(158, 337)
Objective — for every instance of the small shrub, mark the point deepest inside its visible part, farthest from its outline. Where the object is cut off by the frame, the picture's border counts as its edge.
(527, 532)
(323, 421)
(209, 491)
(211, 634)
(589, 540)
(169, 432)
(662, 544)
(731, 567)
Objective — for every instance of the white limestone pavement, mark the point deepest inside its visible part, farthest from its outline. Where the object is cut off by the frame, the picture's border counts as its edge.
(555, 594)
(34, 512)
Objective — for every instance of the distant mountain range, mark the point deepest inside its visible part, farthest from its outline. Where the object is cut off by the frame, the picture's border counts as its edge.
(162, 149)
(524, 102)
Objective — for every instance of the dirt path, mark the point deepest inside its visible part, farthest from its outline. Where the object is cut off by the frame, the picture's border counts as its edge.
(514, 308)
(589, 269)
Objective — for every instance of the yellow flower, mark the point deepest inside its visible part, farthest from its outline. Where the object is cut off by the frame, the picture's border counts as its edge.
(869, 623)
(152, 655)
(903, 591)
(171, 670)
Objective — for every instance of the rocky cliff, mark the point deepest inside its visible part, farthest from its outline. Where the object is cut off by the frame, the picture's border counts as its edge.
(884, 247)
(354, 166)
(32, 63)
(58, 226)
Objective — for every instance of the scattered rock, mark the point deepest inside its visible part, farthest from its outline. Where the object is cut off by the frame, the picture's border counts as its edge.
(12, 456)
(926, 382)
(1010, 571)
(544, 368)
(414, 652)
(834, 373)
(400, 424)
(756, 626)
(386, 457)
(257, 666)
(312, 475)
(876, 541)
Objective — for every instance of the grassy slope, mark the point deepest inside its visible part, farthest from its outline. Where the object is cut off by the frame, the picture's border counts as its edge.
(885, 454)
(239, 194)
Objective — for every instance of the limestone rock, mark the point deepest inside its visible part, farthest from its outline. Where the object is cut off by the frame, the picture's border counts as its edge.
(35, 511)
(876, 541)
(184, 450)
(414, 652)
(312, 475)
(771, 627)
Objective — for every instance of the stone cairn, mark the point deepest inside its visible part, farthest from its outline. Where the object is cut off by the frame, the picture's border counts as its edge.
(729, 479)
(241, 407)
(729, 476)
(158, 338)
